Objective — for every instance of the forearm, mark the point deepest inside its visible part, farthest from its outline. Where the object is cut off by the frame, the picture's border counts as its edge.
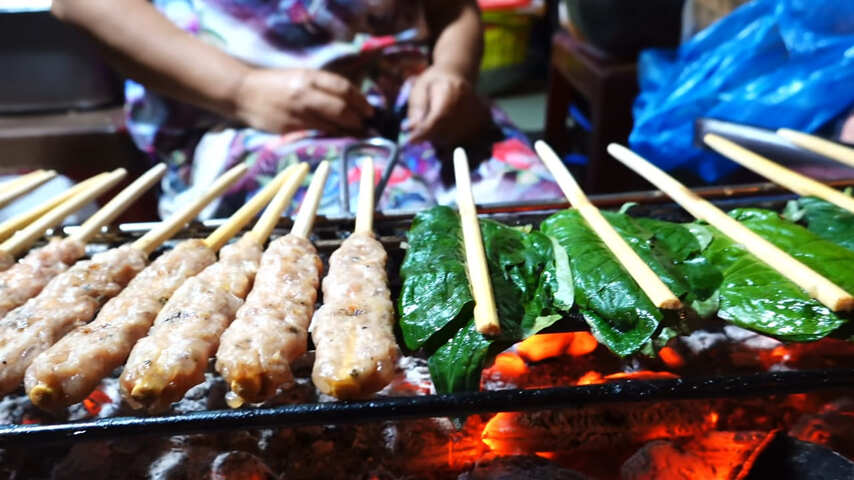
(144, 45)
(458, 35)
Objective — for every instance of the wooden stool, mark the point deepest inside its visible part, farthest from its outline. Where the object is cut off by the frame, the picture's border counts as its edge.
(609, 88)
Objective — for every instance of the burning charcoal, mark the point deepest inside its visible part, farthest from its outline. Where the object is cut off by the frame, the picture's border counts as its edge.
(412, 377)
(719, 455)
(833, 427)
(180, 463)
(519, 468)
(436, 445)
(597, 427)
(240, 466)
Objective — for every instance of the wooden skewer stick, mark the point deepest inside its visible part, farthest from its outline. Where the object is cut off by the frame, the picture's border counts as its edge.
(119, 203)
(20, 179)
(832, 150)
(647, 280)
(247, 212)
(24, 185)
(162, 232)
(265, 225)
(365, 209)
(485, 311)
(12, 225)
(813, 283)
(28, 235)
(308, 210)
(778, 174)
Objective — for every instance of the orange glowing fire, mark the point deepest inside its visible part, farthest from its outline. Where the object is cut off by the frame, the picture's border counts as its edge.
(594, 377)
(549, 345)
(510, 365)
(671, 358)
(589, 378)
(95, 401)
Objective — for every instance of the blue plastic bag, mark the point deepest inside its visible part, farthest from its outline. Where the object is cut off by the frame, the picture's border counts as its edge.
(771, 63)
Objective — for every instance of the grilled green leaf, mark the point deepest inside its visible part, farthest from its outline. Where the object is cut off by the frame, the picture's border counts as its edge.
(834, 262)
(435, 298)
(619, 314)
(824, 219)
(755, 296)
(671, 252)
(531, 280)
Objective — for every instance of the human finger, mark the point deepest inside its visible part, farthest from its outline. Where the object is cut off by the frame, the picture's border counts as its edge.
(441, 101)
(341, 87)
(332, 109)
(419, 101)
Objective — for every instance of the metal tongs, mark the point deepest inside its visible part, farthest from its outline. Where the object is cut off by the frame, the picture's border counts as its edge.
(374, 144)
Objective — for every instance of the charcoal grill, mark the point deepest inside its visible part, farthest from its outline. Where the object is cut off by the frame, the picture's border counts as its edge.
(391, 227)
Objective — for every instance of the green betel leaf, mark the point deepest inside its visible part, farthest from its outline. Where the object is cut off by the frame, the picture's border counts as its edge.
(825, 220)
(671, 252)
(435, 298)
(456, 365)
(755, 296)
(834, 262)
(531, 281)
(619, 314)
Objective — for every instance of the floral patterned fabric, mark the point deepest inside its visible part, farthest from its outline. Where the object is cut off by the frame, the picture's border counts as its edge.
(378, 44)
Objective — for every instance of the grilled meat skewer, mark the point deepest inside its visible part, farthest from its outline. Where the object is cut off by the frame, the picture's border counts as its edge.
(270, 330)
(173, 357)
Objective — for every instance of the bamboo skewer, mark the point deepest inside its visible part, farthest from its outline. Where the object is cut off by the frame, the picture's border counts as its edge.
(24, 185)
(119, 203)
(813, 283)
(247, 212)
(28, 235)
(832, 150)
(365, 209)
(265, 225)
(20, 179)
(308, 210)
(778, 174)
(12, 225)
(159, 234)
(485, 311)
(643, 275)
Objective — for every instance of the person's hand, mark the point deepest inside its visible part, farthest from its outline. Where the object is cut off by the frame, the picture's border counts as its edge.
(285, 100)
(444, 108)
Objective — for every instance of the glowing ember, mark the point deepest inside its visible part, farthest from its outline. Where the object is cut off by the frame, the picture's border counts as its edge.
(510, 365)
(598, 427)
(642, 375)
(671, 358)
(547, 345)
(95, 401)
(582, 344)
(28, 420)
(589, 378)
(820, 354)
(550, 345)
(594, 377)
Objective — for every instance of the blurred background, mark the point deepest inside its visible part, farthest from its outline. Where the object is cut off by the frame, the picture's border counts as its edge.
(568, 71)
